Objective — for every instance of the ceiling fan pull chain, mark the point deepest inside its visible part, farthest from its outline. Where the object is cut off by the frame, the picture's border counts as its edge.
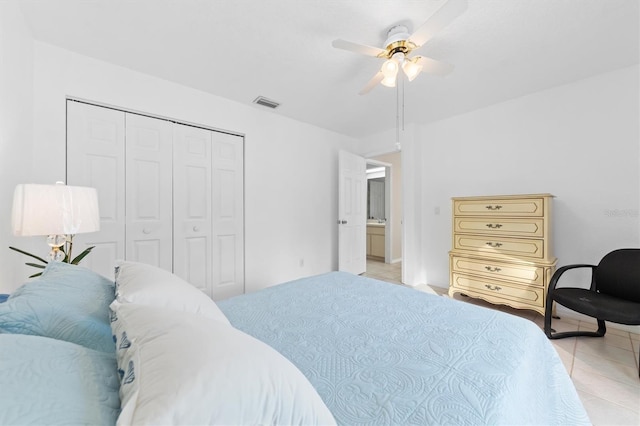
(397, 114)
(402, 77)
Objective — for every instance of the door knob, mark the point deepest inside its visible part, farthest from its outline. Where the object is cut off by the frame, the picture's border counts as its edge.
(146, 231)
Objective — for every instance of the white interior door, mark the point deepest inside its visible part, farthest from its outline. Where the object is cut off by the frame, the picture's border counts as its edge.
(352, 213)
(228, 215)
(95, 158)
(149, 218)
(192, 221)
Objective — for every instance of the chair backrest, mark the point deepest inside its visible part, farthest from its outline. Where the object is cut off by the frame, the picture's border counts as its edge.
(618, 274)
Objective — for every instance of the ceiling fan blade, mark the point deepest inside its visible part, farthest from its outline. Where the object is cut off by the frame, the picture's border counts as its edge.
(357, 48)
(431, 66)
(372, 83)
(440, 19)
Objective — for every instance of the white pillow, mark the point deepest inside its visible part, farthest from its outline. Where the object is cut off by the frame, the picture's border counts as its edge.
(149, 285)
(180, 368)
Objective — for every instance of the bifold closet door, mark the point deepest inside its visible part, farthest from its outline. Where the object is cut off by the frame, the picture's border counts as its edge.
(149, 218)
(228, 215)
(170, 195)
(208, 186)
(128, 159)
(95, 158)
(192, 252)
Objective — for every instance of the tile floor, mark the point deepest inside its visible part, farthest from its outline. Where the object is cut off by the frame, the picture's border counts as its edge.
(604, 370)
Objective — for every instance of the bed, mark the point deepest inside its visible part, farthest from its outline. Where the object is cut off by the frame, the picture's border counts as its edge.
(329, 349)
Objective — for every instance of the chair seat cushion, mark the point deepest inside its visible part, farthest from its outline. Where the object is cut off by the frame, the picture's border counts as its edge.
(598, 305)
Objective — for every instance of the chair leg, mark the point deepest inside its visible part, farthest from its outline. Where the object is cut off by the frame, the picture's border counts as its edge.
(547, 320)
(602, 329)
(550, 332)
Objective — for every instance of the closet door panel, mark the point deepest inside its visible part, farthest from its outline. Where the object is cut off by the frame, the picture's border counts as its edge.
(228, 215)
(148, 190)
(170, 195)
(95, 158)
(192, 206)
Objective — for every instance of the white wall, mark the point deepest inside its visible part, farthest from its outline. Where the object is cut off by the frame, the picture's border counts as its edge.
(579, 142)
(290, 167)
(16, 133)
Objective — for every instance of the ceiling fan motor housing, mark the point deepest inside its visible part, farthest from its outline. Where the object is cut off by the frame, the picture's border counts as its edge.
(398, 41)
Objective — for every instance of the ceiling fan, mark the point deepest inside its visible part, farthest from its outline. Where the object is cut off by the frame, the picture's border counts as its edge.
(400, 44)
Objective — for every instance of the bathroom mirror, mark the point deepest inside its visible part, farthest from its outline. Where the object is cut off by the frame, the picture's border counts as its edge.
(375, 199)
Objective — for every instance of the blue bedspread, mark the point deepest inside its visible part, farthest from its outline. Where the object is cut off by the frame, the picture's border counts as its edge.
(44, 381)
(379, 353)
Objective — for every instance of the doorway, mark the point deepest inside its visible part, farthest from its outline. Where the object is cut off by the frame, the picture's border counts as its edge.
(384, 216)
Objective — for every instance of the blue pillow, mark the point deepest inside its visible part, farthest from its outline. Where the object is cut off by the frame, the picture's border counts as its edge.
(67, 302)
(47, 381)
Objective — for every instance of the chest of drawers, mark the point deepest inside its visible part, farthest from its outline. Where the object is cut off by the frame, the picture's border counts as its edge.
(501, 249)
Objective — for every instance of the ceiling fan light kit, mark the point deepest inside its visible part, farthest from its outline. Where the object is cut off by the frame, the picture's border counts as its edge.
(399, 44)
(390, 69)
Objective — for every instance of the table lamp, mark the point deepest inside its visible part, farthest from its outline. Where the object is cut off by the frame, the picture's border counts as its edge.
(58, 211)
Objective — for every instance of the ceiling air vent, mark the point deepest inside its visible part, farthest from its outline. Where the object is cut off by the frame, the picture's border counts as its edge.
(261, 100)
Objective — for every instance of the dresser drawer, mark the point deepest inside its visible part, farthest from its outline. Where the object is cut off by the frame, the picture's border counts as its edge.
(523, 207)
(524, 227)
(523, 274)
(499, 246)
(533, 296)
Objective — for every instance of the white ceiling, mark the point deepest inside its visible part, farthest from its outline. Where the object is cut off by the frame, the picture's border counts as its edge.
(281, 49)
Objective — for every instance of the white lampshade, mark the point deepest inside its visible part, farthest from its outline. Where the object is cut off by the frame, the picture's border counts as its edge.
(389, 71)
(389, 81)
(411, 69)
(389, 68)
(54, 209)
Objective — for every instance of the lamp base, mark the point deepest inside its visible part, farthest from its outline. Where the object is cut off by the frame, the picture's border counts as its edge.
(55, 242)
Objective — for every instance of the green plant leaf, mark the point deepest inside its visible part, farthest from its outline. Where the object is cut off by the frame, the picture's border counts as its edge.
(82, 255)
(66, 259)
(29, 254)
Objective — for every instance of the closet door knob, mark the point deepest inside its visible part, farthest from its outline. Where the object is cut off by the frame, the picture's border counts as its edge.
(196, 229)
(146, 231)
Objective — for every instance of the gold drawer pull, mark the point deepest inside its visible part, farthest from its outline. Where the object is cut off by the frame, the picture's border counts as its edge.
(496, 207)
(490, 244)
(490, 269)
(492, 226)
(492, 288)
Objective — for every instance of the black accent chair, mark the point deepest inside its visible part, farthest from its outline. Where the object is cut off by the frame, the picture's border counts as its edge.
(614, 294)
